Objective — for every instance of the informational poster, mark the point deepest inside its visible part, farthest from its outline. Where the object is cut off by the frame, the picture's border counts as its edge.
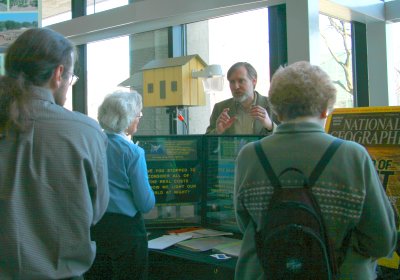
(174, 167)
(378, 130)
(221, 153)
(15, 17)
(192, 177)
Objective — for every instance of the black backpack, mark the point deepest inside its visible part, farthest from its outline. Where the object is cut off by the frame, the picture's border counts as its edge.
(292, 243)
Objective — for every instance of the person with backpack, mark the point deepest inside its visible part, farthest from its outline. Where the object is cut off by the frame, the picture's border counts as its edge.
(313, 207)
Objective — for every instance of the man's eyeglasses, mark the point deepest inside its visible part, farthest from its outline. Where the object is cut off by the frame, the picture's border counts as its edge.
(74, 79)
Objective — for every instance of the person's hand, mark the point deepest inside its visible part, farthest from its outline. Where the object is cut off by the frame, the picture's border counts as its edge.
(224, 121)
(261, 114)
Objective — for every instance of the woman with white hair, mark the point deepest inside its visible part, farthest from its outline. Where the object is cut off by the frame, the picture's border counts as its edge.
(121, 235)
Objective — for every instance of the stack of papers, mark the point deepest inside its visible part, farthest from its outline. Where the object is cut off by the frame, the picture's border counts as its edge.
(204, 244)
(200, 233)
(196, 239)
(231, 248)
(166, 241)
(196, 232)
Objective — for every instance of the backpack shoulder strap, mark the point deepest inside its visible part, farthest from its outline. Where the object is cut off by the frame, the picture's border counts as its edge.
(324, 161)
(266, 165)
(314, 174)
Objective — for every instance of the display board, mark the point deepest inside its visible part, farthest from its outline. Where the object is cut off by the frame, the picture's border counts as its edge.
(192, 177)
(378, 130)
(15, 18)
(221, 153)
(174, 166)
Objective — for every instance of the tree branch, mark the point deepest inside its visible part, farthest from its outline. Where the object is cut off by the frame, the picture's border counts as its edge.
(340, 27)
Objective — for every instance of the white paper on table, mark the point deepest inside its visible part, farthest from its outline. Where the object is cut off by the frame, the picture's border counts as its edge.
(166, 241)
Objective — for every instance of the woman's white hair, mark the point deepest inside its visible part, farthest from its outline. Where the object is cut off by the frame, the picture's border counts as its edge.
(301, 90)
(119, 109)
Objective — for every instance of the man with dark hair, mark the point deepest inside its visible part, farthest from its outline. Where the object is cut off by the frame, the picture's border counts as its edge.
(247, 112)
(53, 165)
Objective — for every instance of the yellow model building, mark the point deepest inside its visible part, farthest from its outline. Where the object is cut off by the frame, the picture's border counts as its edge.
(169, 82)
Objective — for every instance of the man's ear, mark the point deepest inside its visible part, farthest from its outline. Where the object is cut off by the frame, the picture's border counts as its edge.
(254, 82)
(56, 79)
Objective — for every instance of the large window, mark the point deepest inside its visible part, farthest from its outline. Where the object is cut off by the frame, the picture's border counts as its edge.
(232, 39)
(336, 57)
(224, 40)
(394, 63)
(119, 61)
(112, 61)
(58, 11)
(108, 62)
(101, 80)
(239, 37)
(97, 6)
(245, 35)
(55, 11)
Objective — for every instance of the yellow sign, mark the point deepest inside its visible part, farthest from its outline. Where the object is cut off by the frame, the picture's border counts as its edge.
(378, 130)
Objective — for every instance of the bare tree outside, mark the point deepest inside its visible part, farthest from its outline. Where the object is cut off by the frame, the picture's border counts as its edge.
(336, 57)
(395, 58)
(344, 62)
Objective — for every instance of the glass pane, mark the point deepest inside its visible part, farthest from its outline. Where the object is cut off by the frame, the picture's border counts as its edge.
(175, 176)
(336, 57)
(119, 61)
(55, 11)
(97, 6)
(146, 47)
(394, 63)
(243, 45)
(230, 39)
(107, 63)
(220, 153)
(59, 11)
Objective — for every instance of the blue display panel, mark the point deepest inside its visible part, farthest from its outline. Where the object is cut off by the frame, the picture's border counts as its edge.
(193, 178)
(220, 156)
(174, 166)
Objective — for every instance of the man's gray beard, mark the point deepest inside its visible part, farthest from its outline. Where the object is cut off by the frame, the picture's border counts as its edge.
(240, 99)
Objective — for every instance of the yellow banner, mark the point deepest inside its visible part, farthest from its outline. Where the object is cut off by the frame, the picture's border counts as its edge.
(378, 130)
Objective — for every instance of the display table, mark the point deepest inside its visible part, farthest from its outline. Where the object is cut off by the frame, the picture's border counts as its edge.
(177, 263)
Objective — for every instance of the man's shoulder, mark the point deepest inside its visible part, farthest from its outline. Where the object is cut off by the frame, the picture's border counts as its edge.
(225, 103)
(261, 98)
(85, 120)
(78, 118)
(74, 121)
